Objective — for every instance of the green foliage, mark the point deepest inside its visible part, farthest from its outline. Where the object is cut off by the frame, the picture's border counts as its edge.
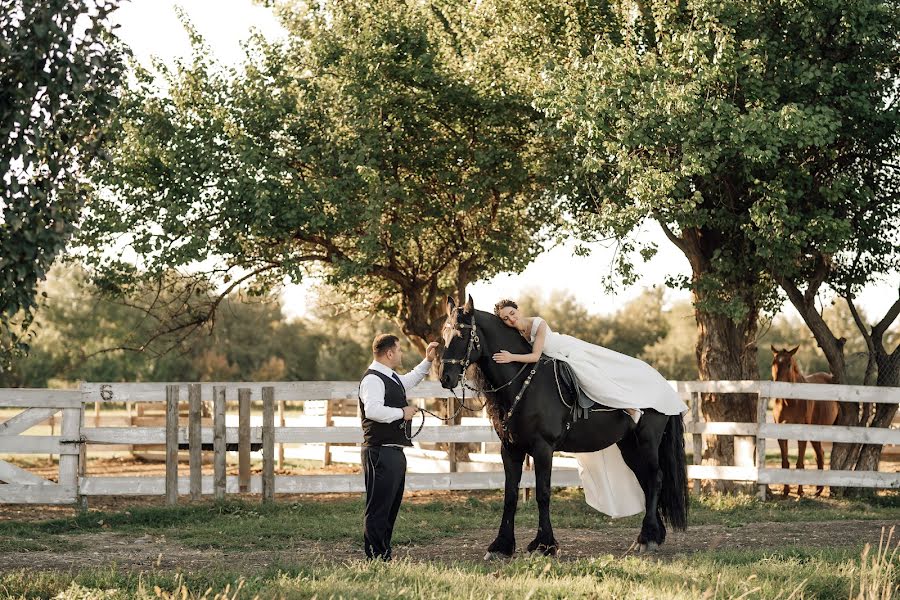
(85, 335)
(60, 70)
(757, 133)
(378, 146)
(675, 355)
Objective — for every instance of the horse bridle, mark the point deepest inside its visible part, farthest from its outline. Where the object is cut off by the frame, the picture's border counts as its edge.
(474, 342)
(465, 363)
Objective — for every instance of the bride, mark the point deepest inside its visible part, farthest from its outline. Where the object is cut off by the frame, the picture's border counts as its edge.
(609, 378)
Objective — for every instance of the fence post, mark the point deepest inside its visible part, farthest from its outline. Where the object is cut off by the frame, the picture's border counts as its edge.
(70, 464)
(451, 447)
(172, 444)
(268, 441)
(219, 442)
(526, 491)
(195, 441)
(329, 421)
(244, 439)
(697, 437)
(281, 423)
(762, 403)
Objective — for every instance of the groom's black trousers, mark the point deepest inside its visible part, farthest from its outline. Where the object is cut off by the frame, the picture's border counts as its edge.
(384, 468)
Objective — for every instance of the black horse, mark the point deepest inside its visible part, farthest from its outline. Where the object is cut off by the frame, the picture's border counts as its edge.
(530, 418)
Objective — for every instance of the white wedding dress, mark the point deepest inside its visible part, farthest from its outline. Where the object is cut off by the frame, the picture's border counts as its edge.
(618, 381)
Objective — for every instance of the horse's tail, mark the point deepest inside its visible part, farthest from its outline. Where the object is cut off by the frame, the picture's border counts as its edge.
(674, 498)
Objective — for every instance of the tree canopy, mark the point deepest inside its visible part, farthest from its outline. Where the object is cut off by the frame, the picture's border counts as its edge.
(60, 68)
(751, 131)
(378, 146)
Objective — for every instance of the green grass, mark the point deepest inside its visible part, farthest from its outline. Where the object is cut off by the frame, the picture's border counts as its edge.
(248, 525)
(752, 574)
(245, 526)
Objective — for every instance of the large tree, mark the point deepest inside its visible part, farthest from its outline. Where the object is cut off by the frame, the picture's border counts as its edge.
(379, 146)
(60, 67)
(722, 120)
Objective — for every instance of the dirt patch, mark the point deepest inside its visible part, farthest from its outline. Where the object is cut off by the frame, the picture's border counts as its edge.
(156, 552)
(587, 543)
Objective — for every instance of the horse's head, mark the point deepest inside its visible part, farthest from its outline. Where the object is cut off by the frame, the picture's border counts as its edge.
(461, 344)
(783, 365)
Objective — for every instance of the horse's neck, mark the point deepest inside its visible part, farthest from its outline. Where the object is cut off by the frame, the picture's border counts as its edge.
(498, 374)
(797, 376)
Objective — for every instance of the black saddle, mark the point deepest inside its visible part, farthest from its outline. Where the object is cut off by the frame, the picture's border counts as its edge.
(567, 381)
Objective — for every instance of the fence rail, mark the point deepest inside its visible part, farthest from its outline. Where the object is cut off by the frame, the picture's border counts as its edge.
(39, 405)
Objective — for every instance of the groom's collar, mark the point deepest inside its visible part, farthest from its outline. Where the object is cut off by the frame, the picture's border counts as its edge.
(381, 368)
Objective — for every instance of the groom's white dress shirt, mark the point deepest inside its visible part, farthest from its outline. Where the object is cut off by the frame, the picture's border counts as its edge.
(371, 390)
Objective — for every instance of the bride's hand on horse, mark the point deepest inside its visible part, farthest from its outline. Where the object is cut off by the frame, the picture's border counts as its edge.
(431, 351)
(503, 357)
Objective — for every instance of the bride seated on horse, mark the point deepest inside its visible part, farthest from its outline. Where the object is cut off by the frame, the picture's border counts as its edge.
(626, 467)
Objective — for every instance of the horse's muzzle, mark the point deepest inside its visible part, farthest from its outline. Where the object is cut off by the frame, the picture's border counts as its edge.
(449, 381)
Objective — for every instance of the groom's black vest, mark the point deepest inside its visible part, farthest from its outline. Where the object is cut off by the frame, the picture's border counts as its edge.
(379, 434)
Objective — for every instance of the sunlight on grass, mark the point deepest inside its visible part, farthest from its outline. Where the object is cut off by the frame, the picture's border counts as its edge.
(733, 574)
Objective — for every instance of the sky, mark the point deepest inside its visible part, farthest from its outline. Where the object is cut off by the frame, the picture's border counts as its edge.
(152, 29)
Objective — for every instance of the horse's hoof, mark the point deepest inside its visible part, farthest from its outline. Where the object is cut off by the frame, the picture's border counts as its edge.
(647, 548)
(548, 550)
(489, 555)
(545, 549)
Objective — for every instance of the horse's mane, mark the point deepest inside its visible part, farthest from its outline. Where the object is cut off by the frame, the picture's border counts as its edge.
(502, 338)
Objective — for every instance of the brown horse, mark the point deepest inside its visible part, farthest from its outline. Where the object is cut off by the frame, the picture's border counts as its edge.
(804, 412)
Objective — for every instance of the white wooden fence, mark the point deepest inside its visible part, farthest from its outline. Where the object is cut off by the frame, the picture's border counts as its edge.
(38, 405)
(21, 485)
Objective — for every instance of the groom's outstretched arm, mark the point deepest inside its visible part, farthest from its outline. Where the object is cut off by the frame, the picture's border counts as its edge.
(415, 377)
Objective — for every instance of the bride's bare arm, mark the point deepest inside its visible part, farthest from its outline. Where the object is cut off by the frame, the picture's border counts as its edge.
(506, 357)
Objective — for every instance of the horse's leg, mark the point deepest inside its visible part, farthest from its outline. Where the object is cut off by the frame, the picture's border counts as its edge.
(640, 451)
(782, 444)
(820, 463)
(544, 542)
(801, 462)
(504, 545)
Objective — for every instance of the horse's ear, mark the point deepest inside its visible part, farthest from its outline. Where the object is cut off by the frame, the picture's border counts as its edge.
(794, 350)
(450, 305)
(470, 305)
(774, 351)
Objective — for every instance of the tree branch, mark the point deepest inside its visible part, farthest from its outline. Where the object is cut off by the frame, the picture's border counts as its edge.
(871, 362)
(677, 241)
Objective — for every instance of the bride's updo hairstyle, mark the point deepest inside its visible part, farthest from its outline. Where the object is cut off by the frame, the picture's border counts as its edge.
(503, 304)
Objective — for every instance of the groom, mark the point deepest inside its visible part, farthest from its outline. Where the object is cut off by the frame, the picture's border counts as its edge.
(386, 430)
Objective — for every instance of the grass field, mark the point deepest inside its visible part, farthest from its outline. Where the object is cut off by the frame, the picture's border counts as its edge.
(310, 547)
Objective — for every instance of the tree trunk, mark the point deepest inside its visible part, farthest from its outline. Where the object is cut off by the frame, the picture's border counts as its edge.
(869, 457)
(726, 347)
(420, 318)
(726, 351)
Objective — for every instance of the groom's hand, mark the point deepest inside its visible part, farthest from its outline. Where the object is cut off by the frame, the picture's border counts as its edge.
(431, 351)
(409, 412)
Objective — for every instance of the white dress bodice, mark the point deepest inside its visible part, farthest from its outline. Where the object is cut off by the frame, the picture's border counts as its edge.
(609, 377)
